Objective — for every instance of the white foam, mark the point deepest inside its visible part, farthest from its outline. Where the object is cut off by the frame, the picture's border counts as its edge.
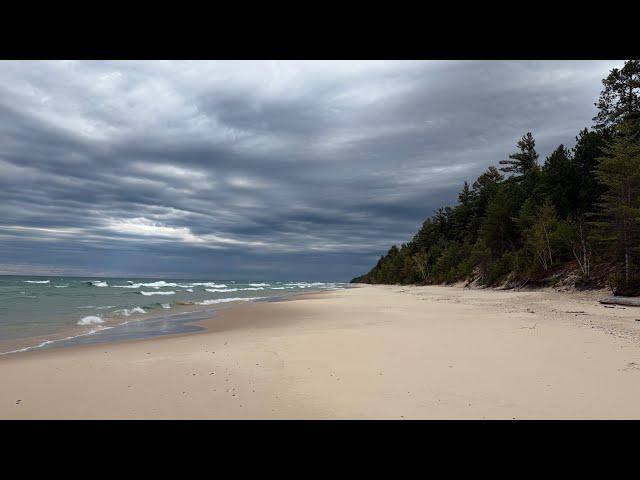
(252, 288)
(225, 300)
(90, 320)
(158, 293)
(128, 312)
(47, 342)
(156, 285)
(161, 283)
(209, 284)
(37, 281)
(61, 286)
(25, 349)
(221, 289)
(99, 283)
(104, 307)
(259, 284)
(165, 305)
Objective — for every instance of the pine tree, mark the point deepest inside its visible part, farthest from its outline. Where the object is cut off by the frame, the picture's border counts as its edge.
(620, 99)
(462, 215)
(588, 148)
(510, 228)
(619, 172)
(525, 160)
(560, 181)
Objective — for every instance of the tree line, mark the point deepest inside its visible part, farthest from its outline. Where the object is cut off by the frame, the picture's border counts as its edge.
(574, 218)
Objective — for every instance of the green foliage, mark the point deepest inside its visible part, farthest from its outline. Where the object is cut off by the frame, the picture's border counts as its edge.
(620, 99)
(587, 190)
(559, 181)
(541, 236)
(618, 226)
(582, 206)
(525, 160)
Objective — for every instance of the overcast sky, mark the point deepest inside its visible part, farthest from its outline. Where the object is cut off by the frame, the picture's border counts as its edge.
(257, 169)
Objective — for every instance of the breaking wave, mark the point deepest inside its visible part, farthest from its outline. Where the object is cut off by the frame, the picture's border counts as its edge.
(128, 312)
(90, 320)
(225, 300)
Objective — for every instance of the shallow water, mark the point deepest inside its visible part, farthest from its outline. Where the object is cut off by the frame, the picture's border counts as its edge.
(36, 312)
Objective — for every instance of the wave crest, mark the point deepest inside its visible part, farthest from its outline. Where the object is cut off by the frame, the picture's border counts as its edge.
(90, 320)
(225, 300)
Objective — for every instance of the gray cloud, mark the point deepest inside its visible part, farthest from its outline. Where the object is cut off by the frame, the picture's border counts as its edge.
(257, 169)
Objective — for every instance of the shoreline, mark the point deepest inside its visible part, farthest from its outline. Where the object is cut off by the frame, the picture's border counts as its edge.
(216, 322)
(43, 343)
(366, 352)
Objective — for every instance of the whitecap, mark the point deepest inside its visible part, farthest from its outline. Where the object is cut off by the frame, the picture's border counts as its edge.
(165, 305)
(128, 312)
(37, 281)
(158, 284)
(158, 293)
(90, 320)
(99, 283)
(225, 300)
(221, 289)
(259, 284)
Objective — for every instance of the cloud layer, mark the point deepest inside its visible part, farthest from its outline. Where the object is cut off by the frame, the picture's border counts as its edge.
(257, 169)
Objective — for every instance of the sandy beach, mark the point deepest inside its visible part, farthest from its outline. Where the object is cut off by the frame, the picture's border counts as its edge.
(371, 352)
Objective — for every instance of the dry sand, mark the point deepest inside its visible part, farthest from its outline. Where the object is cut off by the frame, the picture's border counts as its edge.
(381, 352)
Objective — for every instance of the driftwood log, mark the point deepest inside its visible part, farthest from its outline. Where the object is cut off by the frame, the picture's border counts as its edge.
(626, 301)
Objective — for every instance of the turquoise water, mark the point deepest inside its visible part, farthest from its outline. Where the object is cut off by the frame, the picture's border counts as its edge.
(41, 311)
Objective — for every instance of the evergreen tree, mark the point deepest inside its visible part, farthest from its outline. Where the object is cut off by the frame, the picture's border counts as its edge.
(560, 183)
(462, 215)
(619, 172)
(539, 219)
(498, 232)
(620, 99)
(525, 160)
(588, 148)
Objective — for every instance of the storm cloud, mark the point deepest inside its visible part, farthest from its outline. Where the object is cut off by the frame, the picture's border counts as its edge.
(257, 169)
